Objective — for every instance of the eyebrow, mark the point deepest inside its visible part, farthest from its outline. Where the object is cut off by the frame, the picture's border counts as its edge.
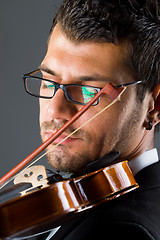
(90, 78)
(44, 68)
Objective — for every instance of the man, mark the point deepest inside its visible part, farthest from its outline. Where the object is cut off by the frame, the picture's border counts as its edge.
(93, 42)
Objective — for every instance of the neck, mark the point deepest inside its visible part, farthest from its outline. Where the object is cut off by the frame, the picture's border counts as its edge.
(145, 144)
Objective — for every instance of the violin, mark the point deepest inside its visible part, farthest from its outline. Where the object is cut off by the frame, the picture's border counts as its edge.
(57, 203)
(48, 203)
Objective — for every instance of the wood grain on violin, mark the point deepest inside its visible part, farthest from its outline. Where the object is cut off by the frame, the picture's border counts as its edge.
(43, 209)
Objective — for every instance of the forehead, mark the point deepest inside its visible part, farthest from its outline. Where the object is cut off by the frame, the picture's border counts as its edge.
(85, 57)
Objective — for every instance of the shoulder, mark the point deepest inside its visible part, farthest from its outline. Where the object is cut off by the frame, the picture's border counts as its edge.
(128, 217)
(117, 230)
(101, 224)
(133, 215)
(136, 213)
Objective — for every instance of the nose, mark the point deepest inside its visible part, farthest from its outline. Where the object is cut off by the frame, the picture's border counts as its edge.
(59, 108)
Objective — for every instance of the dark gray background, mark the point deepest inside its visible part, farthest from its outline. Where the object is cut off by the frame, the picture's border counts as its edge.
(24, 29)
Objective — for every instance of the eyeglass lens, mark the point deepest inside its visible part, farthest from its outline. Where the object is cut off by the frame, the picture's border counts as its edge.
(74, 93)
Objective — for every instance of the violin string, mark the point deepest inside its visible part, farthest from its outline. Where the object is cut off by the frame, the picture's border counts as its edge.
(43, 155)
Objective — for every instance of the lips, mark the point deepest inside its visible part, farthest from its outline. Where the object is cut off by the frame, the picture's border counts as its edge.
(62, 139)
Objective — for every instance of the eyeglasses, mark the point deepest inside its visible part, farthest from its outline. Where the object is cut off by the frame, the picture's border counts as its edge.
(37, 86)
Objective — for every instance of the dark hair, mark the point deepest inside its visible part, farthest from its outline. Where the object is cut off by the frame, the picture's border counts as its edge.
(115, 21)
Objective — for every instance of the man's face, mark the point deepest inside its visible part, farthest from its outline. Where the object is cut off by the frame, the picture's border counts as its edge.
(119, 128)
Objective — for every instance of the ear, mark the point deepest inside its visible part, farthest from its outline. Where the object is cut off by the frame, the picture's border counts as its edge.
(154, 113)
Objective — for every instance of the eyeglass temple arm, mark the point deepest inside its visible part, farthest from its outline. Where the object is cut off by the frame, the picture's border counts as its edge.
(109, 89)
(128, 84)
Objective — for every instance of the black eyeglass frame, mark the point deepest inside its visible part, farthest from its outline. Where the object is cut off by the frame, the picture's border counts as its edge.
(63, 87)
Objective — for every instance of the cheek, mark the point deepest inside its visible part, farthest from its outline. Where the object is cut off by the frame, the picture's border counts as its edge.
(103, 137)
(101, 127)
(42, 111)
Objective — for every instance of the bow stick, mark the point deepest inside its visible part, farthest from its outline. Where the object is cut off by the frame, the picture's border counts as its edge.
(113, 92)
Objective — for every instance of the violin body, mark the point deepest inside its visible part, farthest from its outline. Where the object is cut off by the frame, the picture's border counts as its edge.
(50, 207)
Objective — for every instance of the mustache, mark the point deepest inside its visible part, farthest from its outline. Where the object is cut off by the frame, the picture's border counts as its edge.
(54, 126)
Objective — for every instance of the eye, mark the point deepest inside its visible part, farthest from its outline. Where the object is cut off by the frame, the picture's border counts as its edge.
(46, 84)
(47, 89)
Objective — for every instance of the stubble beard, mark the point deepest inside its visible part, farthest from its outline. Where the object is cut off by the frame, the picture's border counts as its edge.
(63, 161)
(60, 158)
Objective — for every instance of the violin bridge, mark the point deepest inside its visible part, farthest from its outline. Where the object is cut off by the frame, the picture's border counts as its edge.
(36, 175)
